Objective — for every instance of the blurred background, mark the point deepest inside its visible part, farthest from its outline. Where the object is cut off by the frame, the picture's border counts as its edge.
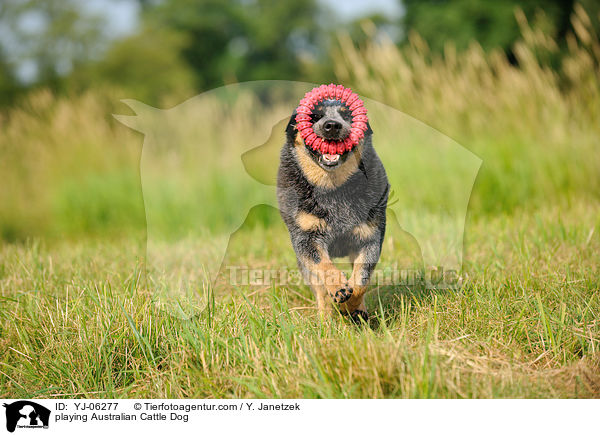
(515, 82)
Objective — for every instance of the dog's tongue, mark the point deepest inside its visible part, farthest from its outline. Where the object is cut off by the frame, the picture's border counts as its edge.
(331, 157)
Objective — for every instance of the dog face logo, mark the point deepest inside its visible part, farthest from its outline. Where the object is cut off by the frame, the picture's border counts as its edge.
(26, 414)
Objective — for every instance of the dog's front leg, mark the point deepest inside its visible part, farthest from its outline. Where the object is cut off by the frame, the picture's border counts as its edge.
(327, 281)
(364, 263)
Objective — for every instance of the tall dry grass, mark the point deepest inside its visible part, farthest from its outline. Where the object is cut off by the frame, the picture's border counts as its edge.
(536, 128)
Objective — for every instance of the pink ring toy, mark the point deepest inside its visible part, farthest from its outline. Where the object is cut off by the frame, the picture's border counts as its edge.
(331, 92)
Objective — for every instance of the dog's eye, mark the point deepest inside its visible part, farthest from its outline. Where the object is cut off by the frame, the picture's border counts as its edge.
(316, 117)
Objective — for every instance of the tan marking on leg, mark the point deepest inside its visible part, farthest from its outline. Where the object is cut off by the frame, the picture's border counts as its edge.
(321, 295)
(355, 278)
(318, 176)
(325, 279)
(309, 222)
(324, 303)
(365, 230)
(356, 301)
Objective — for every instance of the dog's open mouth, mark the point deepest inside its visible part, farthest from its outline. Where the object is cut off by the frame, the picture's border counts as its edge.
(330, 159)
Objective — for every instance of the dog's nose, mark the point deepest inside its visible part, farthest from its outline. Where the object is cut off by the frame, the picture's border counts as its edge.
(332, 127)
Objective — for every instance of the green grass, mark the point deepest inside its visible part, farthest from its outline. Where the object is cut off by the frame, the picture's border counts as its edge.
(77, 320)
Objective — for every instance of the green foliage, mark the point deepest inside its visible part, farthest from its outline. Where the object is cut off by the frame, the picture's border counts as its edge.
(183, 46)
(53, 36)
(147, 66)
(237, 41)
(491, 24)
(8, 83)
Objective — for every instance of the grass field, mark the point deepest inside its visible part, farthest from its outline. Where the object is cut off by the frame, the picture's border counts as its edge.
(78, 321)
(78, 316)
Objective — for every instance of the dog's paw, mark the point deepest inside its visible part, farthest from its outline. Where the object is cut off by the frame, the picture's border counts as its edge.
(342, 295)
(358, 316)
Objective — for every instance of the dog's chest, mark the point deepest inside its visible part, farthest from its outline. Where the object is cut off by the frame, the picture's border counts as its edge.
(343, 209)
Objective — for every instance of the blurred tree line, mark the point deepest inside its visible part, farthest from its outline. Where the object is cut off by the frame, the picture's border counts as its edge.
(182, 47)
(491, 23)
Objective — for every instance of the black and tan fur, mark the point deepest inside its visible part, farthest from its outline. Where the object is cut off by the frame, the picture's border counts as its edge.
(333, 211)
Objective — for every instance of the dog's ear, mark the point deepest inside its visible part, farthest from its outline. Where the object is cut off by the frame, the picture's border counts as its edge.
(290, 130)
(369, 130)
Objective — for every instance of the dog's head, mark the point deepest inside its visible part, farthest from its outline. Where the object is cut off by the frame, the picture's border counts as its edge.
(331, 121)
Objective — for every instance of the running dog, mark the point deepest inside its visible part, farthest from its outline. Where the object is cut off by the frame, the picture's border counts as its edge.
(332, 191)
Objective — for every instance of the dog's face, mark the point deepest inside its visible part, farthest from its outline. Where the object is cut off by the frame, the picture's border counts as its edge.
(332, 120)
